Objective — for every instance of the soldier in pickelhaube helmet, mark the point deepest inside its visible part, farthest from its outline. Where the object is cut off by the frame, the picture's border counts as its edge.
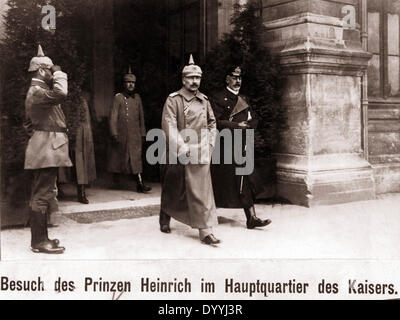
(47, 147)
(187, 193)
(128, 132)
(233, 111)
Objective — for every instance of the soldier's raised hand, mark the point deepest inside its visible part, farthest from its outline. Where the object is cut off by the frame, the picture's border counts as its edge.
(55, 68)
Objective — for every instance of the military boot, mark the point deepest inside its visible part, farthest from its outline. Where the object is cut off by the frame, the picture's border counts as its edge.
(39, 236)
(55, 242)
(164, 222)
(253, 221)
(80, 189)
(141, 187)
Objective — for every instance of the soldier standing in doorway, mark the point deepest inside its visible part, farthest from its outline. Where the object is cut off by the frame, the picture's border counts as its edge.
(128, 133)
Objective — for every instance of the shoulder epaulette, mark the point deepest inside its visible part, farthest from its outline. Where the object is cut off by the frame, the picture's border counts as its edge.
(173, 94)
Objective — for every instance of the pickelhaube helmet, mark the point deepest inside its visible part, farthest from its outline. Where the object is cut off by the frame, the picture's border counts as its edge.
(129, 76)
(40, 61)
(192, 70)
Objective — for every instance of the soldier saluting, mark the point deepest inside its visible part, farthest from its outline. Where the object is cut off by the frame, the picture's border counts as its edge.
(233, 112)
(47, 147)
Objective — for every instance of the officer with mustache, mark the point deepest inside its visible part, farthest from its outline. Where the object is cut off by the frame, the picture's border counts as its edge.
(187, 194)
(47, 148)
(233, 112)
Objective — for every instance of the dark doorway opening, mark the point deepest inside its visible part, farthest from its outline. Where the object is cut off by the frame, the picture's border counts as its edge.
(155, 38)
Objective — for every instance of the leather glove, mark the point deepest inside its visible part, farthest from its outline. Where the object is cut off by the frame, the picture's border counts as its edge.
(55, 68)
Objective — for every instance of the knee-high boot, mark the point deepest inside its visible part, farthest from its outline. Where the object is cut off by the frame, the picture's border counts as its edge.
(141, 187)
(39, 235)
(252, 220)
(164, 222)
(80, 189)
(55, 242)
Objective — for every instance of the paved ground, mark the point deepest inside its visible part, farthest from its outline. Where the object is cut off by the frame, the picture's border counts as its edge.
(360, 230)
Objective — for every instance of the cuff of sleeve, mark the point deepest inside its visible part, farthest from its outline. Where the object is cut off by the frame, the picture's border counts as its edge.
(59, 74)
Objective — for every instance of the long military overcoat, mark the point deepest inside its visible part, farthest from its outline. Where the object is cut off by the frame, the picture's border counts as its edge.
(187, 193)
(84, 150)
(82, 154)
(229, 110)
(127, 123)
(47, 147)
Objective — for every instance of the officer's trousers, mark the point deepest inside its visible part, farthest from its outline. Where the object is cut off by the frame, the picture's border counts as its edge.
(44, 190)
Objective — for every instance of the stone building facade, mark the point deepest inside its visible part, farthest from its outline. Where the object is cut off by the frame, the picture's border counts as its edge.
(341, 60)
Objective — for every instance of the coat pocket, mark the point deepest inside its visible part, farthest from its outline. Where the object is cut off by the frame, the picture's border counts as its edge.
(59, 141)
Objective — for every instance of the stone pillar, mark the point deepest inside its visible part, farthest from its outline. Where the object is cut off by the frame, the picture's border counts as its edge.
(321, 160)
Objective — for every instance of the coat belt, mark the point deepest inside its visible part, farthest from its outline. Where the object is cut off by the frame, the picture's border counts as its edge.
(50, 128)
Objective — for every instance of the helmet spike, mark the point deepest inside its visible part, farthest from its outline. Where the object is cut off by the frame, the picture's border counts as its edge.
(191, 60)
(40, 51)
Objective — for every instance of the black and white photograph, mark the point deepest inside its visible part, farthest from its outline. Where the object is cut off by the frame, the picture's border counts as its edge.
(200, 150)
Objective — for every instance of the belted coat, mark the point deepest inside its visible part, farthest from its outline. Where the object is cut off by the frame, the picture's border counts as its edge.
(48, 146)
(187, 193)
(127, 124)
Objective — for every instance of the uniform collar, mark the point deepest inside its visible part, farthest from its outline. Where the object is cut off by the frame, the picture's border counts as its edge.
(189, 95)
(236, 93)
(231, 93)
(129, 94)
(39, 82)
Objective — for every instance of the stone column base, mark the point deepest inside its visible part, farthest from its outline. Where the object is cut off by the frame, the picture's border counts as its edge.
(324, 179)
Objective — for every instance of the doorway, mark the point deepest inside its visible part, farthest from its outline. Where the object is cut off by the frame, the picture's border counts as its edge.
(155, 38)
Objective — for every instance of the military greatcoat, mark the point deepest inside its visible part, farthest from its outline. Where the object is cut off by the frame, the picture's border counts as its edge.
(127, 124)
(230, 110)
(84, 149)
(187, 193)
(48, 146)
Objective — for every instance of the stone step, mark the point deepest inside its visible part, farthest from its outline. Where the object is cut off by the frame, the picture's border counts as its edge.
(111, 210)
